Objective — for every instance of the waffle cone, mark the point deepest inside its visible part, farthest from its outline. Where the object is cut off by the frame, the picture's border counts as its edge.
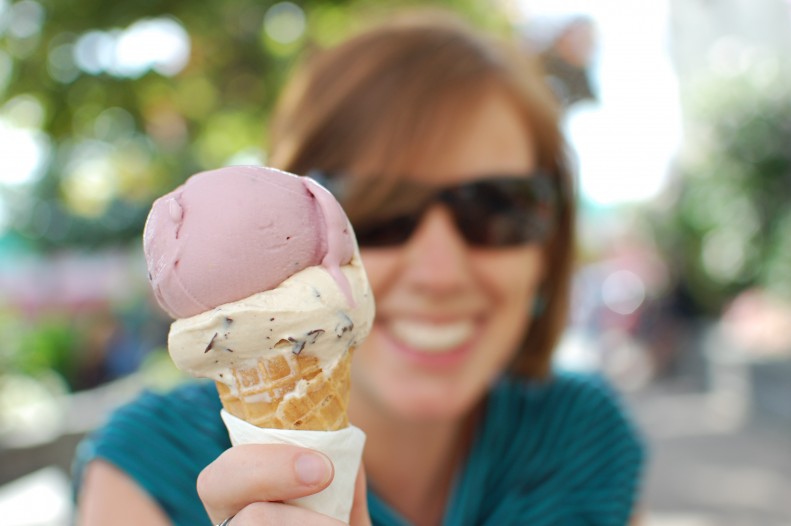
(259, 393)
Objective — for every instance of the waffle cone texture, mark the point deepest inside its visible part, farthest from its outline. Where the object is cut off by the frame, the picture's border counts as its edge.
(260, 393)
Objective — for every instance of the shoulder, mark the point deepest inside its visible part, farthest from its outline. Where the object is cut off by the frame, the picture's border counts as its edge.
(569, 420)
(186, 417)
(563, 397)
(560, 448)
(189, 408)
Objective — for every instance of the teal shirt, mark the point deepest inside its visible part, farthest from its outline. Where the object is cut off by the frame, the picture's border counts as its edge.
(560, 452)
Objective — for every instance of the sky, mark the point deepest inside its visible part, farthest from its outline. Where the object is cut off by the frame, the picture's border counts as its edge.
(625, 142)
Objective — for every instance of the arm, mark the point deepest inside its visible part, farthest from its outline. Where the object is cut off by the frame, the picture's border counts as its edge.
(109, 496)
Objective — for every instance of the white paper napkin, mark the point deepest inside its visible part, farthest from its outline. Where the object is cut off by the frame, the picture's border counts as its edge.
(344, 447)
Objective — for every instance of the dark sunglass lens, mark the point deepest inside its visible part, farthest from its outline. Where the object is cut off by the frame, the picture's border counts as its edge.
(504, 212)
(386, 233)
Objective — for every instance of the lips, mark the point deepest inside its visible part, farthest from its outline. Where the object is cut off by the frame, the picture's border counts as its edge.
(432, 337)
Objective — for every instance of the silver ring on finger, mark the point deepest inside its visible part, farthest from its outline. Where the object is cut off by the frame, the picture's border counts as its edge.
(227, 521)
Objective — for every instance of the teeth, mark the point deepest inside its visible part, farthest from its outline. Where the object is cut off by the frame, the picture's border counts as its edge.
(432, 337)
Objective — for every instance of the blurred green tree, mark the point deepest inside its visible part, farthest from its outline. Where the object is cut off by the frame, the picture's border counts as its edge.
(120, 102)
(730, 227)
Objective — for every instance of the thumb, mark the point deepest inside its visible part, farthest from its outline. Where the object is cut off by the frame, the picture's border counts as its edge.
(359, 515)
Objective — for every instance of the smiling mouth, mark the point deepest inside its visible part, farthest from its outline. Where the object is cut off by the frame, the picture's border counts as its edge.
(432, 338)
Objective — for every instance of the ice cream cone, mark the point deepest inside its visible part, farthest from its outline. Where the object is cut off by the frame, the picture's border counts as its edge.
(290, 392)
(269, 299)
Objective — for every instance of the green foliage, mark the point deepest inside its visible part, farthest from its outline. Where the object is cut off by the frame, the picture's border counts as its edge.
(49, 345)
(117, 139)
(730, 228)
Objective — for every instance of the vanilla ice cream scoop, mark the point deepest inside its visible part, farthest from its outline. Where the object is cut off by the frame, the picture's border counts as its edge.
(227, 234)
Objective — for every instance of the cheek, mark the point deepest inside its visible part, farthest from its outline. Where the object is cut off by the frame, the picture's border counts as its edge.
(512, 280)
(380, 265)
(512, 276)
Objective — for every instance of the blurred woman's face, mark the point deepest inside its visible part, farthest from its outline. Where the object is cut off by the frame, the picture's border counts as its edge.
(449, 316)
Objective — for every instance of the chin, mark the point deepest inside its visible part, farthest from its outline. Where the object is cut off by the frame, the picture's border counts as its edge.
(425, 402)
(409, 385)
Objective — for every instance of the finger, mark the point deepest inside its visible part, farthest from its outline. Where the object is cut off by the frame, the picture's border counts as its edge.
(261, 472)
(359, 515)
(279, 514)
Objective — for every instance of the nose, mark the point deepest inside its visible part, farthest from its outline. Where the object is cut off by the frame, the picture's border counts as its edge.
(437, 256)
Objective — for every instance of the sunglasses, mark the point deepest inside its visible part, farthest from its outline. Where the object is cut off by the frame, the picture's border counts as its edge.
(492, 212)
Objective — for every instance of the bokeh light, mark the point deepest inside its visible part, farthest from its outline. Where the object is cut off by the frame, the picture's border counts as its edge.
(61, 65)
(88, 179)
(158, 44)
(623, 292)
(22, 152)
(23, 146)
(284, 22)
(24, 19)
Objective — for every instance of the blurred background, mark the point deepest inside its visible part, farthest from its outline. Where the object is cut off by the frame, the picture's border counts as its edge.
(679, 115)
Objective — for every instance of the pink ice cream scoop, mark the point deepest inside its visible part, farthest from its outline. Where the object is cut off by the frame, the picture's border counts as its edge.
(230, 233)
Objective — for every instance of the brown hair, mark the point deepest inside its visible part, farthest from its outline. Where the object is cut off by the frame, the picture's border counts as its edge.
(383, 100)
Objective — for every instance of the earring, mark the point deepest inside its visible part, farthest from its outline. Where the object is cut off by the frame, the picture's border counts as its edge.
(539, 305)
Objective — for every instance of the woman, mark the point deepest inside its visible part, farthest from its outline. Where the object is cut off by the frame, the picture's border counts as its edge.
(444, 149)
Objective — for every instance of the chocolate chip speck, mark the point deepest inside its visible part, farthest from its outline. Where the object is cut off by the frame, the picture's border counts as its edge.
(298, 345)
(314, 335)
(211, 344)
(345, 325)
(271, 319)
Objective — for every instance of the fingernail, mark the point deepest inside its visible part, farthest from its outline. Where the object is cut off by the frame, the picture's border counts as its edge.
(312, 469)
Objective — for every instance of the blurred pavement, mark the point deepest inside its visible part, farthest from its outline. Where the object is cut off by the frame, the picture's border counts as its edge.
(708, 467)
